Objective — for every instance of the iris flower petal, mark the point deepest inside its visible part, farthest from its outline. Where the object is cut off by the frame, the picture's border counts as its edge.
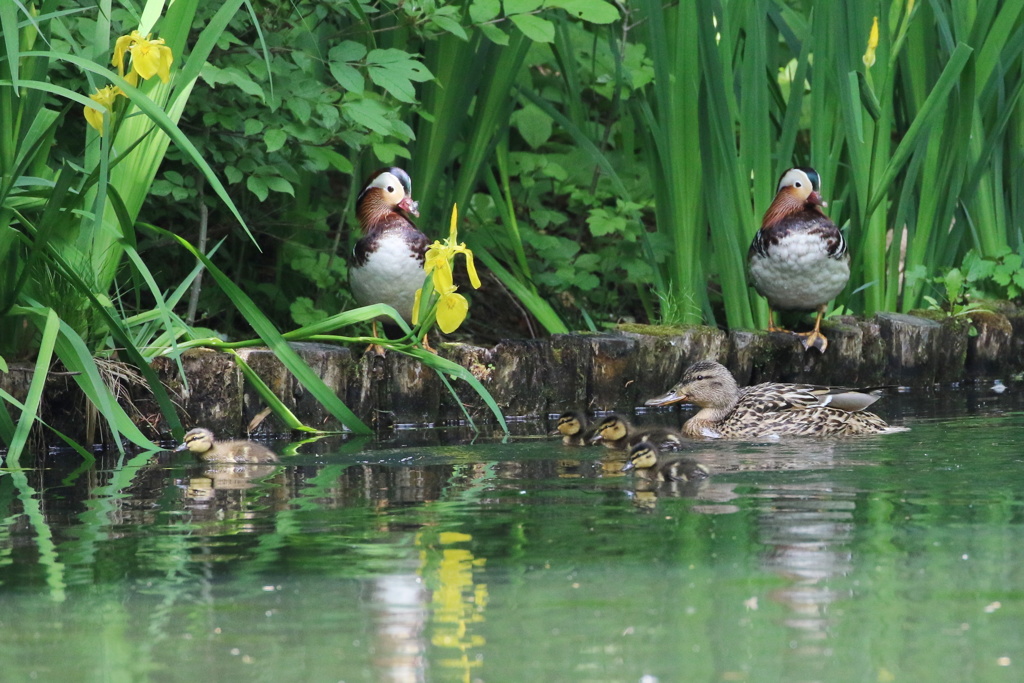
(451, 311)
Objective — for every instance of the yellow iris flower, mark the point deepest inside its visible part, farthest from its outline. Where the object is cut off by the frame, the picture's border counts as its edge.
(103, 96)
(149, 57)
(869, 55)
(452, 306)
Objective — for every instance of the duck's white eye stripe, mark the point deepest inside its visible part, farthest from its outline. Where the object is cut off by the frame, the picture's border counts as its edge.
(387, 181)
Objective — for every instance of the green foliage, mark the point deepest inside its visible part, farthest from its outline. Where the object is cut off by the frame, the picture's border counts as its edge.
(613, 160)
(1000, 276)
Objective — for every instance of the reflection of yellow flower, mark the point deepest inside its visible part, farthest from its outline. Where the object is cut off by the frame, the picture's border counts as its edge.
(869, 55)
(452, 307)
(149, 57)
(103, 96)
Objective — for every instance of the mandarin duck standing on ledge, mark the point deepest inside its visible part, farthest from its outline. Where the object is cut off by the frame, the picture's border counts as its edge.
(387, 265)
(798, 259)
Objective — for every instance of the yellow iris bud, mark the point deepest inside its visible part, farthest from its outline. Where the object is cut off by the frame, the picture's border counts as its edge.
(869, 54)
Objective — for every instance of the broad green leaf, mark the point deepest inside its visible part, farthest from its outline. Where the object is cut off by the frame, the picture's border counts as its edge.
(329, 158)
(232, 76)
(347, 51)
(594, 11)
(275, 139)
(394, 71)
(522, 6)
(387, 152)
(449, 22)
(601, 222)
(481, 11)
(494, 34)
(370, 113)
(279, 184)
(259, 188)
(348, 77)
(300, 107)
(535, 28)
(533, 124)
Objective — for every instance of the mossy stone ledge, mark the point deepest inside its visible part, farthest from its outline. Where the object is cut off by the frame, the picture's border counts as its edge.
(533, 378)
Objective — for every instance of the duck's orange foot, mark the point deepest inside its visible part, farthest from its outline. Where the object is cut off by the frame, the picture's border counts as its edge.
(375, 350)
(813, 339)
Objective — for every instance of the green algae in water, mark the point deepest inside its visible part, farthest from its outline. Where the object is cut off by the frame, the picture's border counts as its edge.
(898, 557)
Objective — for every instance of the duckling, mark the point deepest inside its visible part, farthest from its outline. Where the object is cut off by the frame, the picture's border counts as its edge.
(798, 259)
(573, 428)
(201, 442)
(387, 263)
(644, 458)
(616, 432)
(770, 409)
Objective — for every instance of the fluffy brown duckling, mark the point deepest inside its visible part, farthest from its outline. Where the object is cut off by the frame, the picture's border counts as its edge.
(770, 409)
(617, 433)
(645, 459)
(202, 442)
(572, 427)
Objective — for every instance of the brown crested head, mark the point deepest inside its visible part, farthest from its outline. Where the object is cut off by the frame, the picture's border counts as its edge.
(387, 191)
(798, 190)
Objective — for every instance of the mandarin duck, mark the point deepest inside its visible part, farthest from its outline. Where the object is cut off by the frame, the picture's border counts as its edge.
(798, 259)
(387, 265)
(201, 442)
(645, 460)
(770, 409)
(616, 432)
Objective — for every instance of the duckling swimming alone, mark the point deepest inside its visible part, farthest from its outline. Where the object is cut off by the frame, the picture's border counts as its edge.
(201, 442)
(617, 433)
(644, 458)
(769, 409)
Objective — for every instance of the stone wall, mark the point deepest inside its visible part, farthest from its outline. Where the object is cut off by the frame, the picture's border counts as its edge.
(531, 378)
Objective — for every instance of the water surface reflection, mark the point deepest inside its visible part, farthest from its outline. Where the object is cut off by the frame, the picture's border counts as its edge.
(797, 560)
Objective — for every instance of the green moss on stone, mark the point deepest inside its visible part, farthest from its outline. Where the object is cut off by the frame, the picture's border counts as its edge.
(660, 330)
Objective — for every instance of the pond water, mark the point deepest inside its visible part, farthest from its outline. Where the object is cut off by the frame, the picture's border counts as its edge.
(889, 558)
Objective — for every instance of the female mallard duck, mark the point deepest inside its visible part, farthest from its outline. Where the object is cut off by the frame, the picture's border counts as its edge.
(798, 259)
(573, 428)
(644, 458)
(769, 409)
(617, 433)
(201, 442)
(387, 265)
